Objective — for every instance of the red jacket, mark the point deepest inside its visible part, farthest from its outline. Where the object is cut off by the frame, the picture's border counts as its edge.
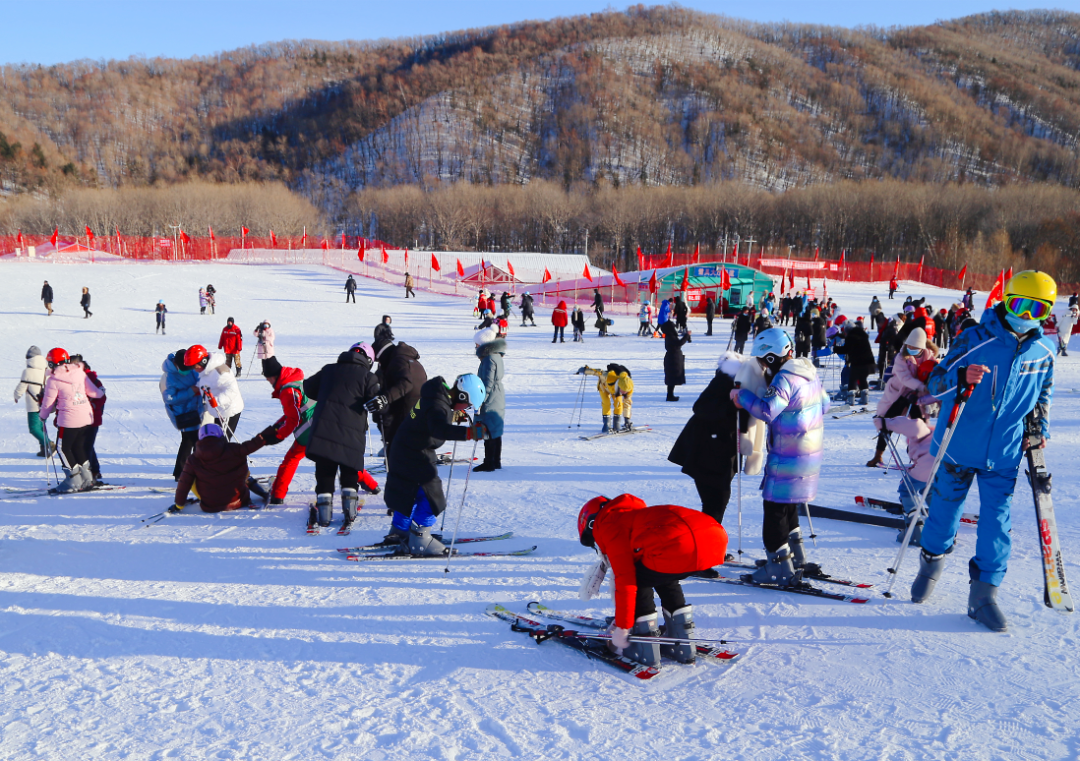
(491, 304)
(291, 400)
(663, 538)
(558, 316)
(481, 303)
(232, 340)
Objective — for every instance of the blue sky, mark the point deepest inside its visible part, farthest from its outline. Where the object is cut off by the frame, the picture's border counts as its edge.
(50, 31)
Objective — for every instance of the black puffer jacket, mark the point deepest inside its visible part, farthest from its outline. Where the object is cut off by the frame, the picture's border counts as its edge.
(400, 377)
(339, 424)
(674, 361)
(743, 325)
(429, 425)
(857, 348)
(706, 448)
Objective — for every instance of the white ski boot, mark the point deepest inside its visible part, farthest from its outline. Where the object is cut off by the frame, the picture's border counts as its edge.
(350, 502)
(324, 509)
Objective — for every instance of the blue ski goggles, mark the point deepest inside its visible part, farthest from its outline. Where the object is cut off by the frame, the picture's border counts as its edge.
(1027, 309)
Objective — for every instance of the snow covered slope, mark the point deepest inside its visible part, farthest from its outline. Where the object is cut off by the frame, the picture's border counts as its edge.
(240, 637)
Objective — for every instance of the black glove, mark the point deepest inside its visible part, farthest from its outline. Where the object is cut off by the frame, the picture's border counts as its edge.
(175, 509)
(377, 404)
(269, 435)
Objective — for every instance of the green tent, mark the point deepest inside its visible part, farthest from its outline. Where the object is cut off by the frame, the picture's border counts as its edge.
(747, 285)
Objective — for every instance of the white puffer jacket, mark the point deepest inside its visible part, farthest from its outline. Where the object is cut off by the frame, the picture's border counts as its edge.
(221, 382)
(748, 374)
(32, 383)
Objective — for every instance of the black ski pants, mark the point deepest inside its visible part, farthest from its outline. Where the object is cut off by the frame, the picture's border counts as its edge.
(350, 295)
(91, 452)
(326, 470)
(187, 446)
(781, 518)
(708, 322)
(715, 490)
(72, 445)
(665, 585)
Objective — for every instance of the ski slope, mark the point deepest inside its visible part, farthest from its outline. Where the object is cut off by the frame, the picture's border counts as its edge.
(239, 636)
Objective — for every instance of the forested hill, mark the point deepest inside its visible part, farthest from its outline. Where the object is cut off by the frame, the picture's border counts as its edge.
(647, 96)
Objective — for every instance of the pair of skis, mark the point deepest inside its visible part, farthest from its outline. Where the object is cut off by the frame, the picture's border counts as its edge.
(635, 429)
(398, 551)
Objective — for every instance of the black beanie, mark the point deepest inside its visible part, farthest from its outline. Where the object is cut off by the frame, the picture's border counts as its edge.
(271, 367)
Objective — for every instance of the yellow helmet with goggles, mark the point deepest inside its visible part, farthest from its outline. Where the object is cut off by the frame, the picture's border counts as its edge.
(1030, 295)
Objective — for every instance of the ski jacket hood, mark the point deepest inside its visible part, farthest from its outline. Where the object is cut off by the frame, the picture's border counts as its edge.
(287, 375)
(68, 391)
(1021, 377)
(558, 315)
(297, 409)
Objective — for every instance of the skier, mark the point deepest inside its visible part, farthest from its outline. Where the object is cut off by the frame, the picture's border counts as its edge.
(504, 304)
(674, 361)
(97, 405)
(616, 389)
(743, 325)
(218, 384)
(707, 448)
(793, 407)
(159, 313)
(264, 334)
(916, 429)
(598, 303)
(409, 283)
(905, 387)
(893, 285)
(762, 322)
(1008, 339)
(645, 319)
(32, 384)
(803, 329)
(232, 343)
(681, 313)
(577, 321)
(490, 350)
(383, 331)
(47, 297)
(211, 300)
(203, 301)
(218, 472)
(650, 550)
(1065, 329)
(558, 319)
(818, 335)
(710, 313)
(859, 355)
(481, 303)
(400, 377)
(338, 430)
(414, 490)
(183, 402)
(68, 391)
(527, 312)
(350, 289)
(84, 302)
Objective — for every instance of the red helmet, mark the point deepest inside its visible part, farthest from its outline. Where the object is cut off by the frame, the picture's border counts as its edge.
(585, 519)
(195, 355)
(925, 369)
(56, 357)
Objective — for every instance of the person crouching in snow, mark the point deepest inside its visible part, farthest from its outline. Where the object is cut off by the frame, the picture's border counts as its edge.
(651, 549)
(217, 472)
(616, 389)
(905, 385)
(707, 448)
(918, 431)
(218, 386)
(794, 408)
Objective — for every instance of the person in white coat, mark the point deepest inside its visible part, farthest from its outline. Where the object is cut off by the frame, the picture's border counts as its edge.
(218, 385)
(1065, 328)
(32, 384)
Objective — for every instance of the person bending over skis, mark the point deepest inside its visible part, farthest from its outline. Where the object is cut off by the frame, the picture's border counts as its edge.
(218, 473)
(1010, 340)
(616, 389)
(794, 408)
(651, 549)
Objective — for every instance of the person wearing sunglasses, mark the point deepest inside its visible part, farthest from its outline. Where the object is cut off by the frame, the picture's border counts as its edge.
(1009, 365)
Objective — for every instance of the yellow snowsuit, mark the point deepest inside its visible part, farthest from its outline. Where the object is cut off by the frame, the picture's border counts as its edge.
(617, 387)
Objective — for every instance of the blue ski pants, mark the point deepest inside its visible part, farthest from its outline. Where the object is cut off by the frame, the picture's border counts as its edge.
(421, 514)
(994, 542)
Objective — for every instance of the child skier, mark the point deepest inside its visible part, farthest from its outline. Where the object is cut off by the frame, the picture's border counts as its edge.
(616, 389)
(159, 313)
(218, 473)
(232, 343)
(68, 391)
(32, 384)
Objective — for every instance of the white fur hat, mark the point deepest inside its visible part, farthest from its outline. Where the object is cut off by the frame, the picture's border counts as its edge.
(486, 335)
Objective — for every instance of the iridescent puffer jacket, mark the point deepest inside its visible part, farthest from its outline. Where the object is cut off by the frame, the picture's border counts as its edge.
(794, 408)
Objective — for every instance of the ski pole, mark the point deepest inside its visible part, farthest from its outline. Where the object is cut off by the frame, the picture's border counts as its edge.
(461, 509)
(738, 468)
(48, 453)
(449, 480)
(810, 522)
(920, 499)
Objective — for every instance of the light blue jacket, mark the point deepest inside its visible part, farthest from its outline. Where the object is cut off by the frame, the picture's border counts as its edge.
(794, 408)
(179, 393)
(991, 430)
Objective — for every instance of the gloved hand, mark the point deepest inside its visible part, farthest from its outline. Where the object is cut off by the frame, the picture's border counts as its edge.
(376, 404)
(582, 369)
(461, 416)
(175, 509)
(269, 435)
(477, 431)
(620, 638)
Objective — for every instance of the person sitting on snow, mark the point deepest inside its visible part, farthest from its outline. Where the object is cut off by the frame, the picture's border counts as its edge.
(217, 472)
(616, 389)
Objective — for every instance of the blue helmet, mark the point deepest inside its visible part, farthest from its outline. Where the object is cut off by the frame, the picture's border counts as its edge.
(211, 430)
(773, 342)
(469, 389)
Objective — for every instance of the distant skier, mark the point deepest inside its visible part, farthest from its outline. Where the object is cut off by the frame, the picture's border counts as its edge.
(159, 314)
(414, 490)
(203, 301)
(211, 298)
(409, 283)
(504, 304)
(217, 385)
(527, 312)
(794, 408)
(559, 320)
(47, 297)
(710, 313)
(382, 330)
(598, 309)
(183, 403)
(893, 285)
(32, 384)
(490, 350)
(1065, 329)
(232, 343)
(84, 302)
(744, 323)
(577, 322)
(645, 319)
(68, 392)
(350, 289)
(218, 472)
(681, 314)
(664, 313)
(264, 334)
(616, 389)
(650, 550)
(990, 436)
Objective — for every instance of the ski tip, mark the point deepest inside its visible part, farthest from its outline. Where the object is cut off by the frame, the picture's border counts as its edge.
(860, 501)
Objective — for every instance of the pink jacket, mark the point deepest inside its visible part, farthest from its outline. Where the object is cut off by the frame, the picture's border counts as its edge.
(903, 382)
(918, 435)
(69, 391)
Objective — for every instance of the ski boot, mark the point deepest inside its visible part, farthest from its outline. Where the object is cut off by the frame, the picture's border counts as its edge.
(75, 480)
(350, 503)
(257, 489)
(423, 544)
(916, 534)
(397, 538)
(777, 570)
(864, 397)
(276, 501)
(982, 606)
(607, 425)
(42, 452)
(616, 424)
(647, 653)
(679, 624)
(324, 507)
(850, 398)
(930, 569)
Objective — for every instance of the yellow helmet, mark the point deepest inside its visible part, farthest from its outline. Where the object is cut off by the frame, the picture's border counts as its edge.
(1032, 284)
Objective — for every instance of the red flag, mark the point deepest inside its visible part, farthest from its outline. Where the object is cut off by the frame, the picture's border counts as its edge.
(303, 240)
(461, 270)
(725, 281)
(697, 251)
(244, 231)
(1005, 283)
(547, 276)
(273, 239)
(817, 251)
(922, 260)
(871, 258)
(360, 252)
(997, 293)
(586, 274)
(325, 245)
(791, 278)
(640, 259)
(615, 274)
(685, 284)
(89, 233)
(18, 239)
(385, 256)
(55, 236)
(652, 282)
(510, 268)
(667, 256)
(435, 264)
(185, 237)
(843, 255)
(406, 258)
(896, 270)
(343, 240)
(808, 286)
(824, 289)
(735, 253)
(209, 228)
(963, 273)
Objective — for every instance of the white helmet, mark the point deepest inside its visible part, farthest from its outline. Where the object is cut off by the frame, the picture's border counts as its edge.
(774, 343)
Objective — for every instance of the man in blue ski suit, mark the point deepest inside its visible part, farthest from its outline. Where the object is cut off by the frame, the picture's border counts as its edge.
(1010, 364)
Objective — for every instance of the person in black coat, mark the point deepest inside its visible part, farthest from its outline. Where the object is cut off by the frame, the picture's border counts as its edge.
(707, 448)
(860, 359)
(84, 302)
(763, 322)
(803, 329)
(744, 323)
(382, 330)
(527, 309)
(400, 376)
(674, 361)
(710, 313)
(681, 313)
(339, 430)
(350, 290)
(414, 490)
(818, 337)
(47, 296)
